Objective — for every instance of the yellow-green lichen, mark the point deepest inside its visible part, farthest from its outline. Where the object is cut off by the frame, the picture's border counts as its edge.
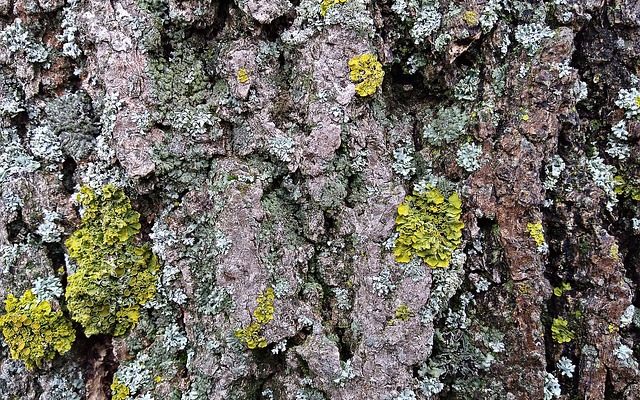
(429, 226)
(114, 277)
(263, 314)
(119, 391)
(471, 18)
(403, 312)
(614, 252)
(560, 331)
(560, 290)
(623, 188)
(33, 331)
(535, 230)
(242, 76)
(366, 71)
(327, 4)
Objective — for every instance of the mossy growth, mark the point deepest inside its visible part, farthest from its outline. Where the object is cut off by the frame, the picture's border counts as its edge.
(327, 4)
(114, 276)
(366, 71)
(535, 230)
(263, 314)
(119, 391)
(429, 226)
(560, 331)
(33, 331)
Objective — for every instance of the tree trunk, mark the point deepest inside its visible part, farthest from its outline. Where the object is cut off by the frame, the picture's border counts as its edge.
(268, 145)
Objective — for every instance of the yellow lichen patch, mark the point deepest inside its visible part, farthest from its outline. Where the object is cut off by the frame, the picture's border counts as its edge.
(429, 226)
(403, 312)
(33, 331)
(114, 278)
(118, 390)
(242, 75)
(535, 230)
(262, 315)
(366, 71)
(327, 4)
(471, 18)
(614, 252)
(560, 331)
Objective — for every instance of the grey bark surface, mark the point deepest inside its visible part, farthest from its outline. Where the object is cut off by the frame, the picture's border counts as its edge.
(290, 180)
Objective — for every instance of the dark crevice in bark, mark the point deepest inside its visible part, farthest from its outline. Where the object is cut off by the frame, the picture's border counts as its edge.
(68, 170)
(271, 32)
(149, 205)
(99, 364)
(17, 230)
(55, 253)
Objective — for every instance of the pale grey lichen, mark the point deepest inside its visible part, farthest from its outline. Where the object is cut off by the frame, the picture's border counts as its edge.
(279, 347)
(16, 38)
(441, 42)
(531, 35)
(69, 31)
(49, 230)
(403, 164)
(12, 104)
(414, 269)
(625, 354)
(282, 147)
(342, 298)
(551, 386)
(194, 121)
(445, 125)
(490, 15)
(45, 145)
(566, 367)
(627, 317)
(445, 282)
(173, 338)
(430, 180)
(553, 170)
(467, 87)
(431, 386)
(618, 147)
(383, 283)
(347, 373)
(468, 156)
(629, 100)
(580, 90)
(14, 160)
(407, 394)
(603, 176)
(134, 374)
(48, 288)
(427, 21)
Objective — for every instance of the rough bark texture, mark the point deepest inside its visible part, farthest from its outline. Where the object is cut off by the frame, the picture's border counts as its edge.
(237, 133)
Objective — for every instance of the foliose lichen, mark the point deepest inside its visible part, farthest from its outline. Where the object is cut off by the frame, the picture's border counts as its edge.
(242, 76)
(537, 234)
(114, 277)
(119, 391)
(262, 315)
(366, 71)
(33, 331)
(429, 226)
(327, 4)
(560, 331)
